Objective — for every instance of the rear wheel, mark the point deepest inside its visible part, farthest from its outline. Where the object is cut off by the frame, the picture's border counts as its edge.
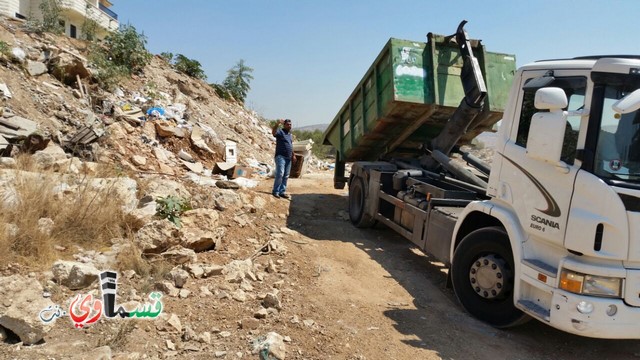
(483, 275)
(358, 203)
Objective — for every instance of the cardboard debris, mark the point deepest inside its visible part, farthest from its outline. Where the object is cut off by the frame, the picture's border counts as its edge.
(232, 170)
(195, 167)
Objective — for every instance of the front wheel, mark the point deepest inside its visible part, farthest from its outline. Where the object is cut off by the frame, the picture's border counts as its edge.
(483, 276)
(357, 204)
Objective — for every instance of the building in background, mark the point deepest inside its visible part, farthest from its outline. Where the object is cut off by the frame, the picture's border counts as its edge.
(74, 14)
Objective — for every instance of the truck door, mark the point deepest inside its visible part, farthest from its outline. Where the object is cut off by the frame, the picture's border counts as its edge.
(540, 192)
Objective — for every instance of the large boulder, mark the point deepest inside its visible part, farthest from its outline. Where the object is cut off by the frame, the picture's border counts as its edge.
(20, 303)
(199, 229)
(156, 236)
(65, 67)
(158, 187)
(74, 275)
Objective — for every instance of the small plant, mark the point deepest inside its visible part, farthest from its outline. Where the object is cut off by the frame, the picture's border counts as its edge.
(108, 74)
(171, 208)
(50, 22)
(222, 92)
(167, 56)
(89, 30)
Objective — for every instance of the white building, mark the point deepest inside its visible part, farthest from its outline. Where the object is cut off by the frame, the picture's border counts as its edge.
(74, 14)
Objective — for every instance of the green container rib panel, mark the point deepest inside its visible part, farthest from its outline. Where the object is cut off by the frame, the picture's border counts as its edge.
(409, 93)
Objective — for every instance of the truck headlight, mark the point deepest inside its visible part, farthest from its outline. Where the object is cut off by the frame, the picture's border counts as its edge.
(590, 284)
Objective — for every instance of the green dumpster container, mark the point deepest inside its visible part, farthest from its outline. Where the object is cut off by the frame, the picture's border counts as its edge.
(407, 96)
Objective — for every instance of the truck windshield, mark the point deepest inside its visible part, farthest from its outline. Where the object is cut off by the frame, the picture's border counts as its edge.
(618, 147)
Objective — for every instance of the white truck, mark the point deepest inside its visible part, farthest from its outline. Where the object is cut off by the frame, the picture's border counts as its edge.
(552, 230)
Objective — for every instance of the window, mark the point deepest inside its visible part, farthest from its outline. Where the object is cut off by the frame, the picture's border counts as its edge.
(575, 88)
(20, 16)
(73, 31)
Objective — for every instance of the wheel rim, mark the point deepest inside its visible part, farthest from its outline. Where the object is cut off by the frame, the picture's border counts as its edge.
(488, 275)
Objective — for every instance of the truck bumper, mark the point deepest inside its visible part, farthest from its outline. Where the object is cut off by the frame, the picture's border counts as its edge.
(564, 315)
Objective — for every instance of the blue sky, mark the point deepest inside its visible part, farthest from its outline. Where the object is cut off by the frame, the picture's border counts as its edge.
(308, 55)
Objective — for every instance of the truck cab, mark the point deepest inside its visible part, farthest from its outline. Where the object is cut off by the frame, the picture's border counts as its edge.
(565, 188)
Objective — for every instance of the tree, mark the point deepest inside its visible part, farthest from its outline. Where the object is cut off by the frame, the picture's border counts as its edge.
(51, 11)
(127, 48)
(237, 81)
(188, 66)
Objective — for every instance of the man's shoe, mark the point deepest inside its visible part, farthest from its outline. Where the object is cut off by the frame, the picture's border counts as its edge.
(283, 195)
(276, 196)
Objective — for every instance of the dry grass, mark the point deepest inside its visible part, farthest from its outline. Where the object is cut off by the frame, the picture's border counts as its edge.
(83, 217)
(120, 336)
(149, 271)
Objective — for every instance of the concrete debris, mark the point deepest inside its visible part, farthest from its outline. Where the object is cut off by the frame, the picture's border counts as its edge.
(36, 68)
(21, 302)
(179, 255)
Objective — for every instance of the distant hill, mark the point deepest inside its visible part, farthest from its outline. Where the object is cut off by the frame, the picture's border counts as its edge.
(321, 127)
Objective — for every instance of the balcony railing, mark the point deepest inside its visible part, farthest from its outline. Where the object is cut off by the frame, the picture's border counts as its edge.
(108, 11)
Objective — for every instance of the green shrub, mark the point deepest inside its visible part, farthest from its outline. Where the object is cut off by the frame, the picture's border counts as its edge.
(107, 73)
(189, 67)
(127, 48)
(167, 56)
(222, 92)
(51, 20)
(171, 208)
(89, 30)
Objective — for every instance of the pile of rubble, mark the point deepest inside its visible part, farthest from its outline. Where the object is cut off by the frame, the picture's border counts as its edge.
(167, 135)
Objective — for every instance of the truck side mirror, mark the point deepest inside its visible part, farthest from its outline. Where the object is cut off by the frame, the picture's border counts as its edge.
(546, 133)
(627, 104)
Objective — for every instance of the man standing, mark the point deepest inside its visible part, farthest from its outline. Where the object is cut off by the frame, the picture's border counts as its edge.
(284, 157)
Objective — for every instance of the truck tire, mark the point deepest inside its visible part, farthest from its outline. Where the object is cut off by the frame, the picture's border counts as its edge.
(482, 274)
(358, 203)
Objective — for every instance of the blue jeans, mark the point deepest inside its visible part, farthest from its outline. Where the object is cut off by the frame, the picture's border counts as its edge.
(283, 167)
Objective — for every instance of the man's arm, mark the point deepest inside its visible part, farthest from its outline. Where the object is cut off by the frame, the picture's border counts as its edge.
(275, 127)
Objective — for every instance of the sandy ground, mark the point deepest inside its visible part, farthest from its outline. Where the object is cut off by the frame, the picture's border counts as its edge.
(346, 293)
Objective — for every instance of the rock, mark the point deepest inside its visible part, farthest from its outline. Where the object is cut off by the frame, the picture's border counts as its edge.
(8, 163)
(184, 293)
(220, 354)
(157, 236)
(259, 202)
(249, 323)
(74, 275)
(45, 226)
(238, 270)
(272, 301)
(122, 189)
(171, 345)
(189, 334)
(239, 295)
(3, 334)
(226, 184)
(185, 156)
(179, 277)
(195, 270)
(224, 334)
(228, 198)
(174, 321)
(101, 353)
(65, 67)
(204, 291)
(246, 286)
(270, 346)
(308, 322)
(21, 303)
(212, 270)
(261, 314)
(158, 187)
(178, 255)
(160, 154)
(165, 130)
(197, 139)
(287, 231)
(196, 232)
(168, 288)
(142, 215)
(36, 68)
(205, 337)
(139, 160)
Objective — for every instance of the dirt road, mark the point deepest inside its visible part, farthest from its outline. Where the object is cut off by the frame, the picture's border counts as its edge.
(377, 297)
